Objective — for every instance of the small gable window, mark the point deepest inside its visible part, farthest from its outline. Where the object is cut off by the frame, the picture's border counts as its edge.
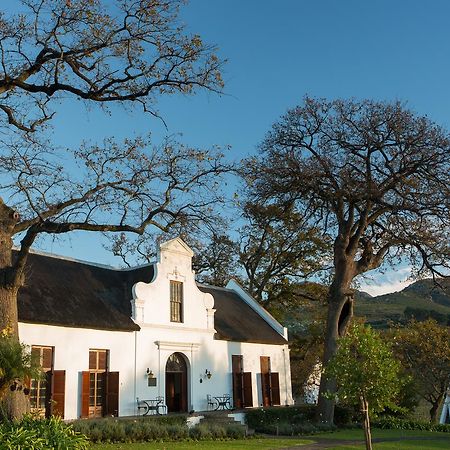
(176, 301)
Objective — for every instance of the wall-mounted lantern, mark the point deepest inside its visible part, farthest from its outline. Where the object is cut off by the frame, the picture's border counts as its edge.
(151, 379)
(207, 375)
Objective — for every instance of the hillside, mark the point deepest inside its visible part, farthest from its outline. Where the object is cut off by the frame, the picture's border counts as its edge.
(418, 299)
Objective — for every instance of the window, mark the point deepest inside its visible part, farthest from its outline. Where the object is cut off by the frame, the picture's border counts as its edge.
(98, 363)
(38, 388)
(176, 301)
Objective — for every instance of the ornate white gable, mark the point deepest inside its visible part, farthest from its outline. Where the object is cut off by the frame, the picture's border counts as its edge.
(151, 301)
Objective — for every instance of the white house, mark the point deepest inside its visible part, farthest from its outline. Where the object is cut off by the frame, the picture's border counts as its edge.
(106, 337)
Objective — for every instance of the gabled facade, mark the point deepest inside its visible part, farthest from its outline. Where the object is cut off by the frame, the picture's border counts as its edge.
(107, 337)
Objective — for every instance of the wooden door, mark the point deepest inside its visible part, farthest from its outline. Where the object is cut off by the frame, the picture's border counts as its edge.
(176, 383)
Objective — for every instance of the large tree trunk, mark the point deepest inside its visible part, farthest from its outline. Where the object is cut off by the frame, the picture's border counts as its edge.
(15, 403)
(8, 290)
(435, 408)
(8, 309)
(340, 312)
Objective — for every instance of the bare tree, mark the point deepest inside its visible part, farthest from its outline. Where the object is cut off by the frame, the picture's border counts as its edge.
(373, 176)
(128, 52)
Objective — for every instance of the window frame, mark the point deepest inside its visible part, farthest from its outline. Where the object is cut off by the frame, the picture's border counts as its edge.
(38, 388)
(97, 379)
(176, 301)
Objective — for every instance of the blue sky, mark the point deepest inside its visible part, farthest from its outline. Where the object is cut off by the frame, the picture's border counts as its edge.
(277, 52)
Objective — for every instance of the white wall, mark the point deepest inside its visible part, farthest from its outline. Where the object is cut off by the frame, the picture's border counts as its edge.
(131, 353)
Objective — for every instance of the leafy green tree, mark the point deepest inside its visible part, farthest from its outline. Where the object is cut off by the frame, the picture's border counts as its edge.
(424, 350)
(279, 251)
(17, 366)
(367, 373)
(375, 178)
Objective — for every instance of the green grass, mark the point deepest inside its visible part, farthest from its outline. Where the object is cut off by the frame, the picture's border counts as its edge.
(357, 434)
(441, 440)
(401, 445)
(431, 441)
(238, 444)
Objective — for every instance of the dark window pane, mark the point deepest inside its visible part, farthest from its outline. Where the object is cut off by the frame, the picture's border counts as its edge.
(47, 356)
(92, 360)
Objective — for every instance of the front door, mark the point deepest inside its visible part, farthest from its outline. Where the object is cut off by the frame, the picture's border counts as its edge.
(176, 383)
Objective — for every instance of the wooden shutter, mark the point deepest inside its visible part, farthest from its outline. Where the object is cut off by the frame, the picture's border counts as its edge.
(275, 385)
(84, 394)
(248, 394)
(237, 363)
(265, 380)
(48, 393)
(237, 367)
(237, 390)
(112, 394)
(58, 390)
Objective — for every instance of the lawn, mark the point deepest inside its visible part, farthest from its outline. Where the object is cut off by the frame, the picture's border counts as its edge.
(406, 439)
(238, 444)
(400, 440)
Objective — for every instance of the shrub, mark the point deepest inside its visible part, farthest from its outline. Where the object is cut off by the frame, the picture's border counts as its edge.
(41, 434)
(269, 416)
(235, 431)
(345, 415)
(291, 421)
(200, 432)
(395, 423)
(146, 429)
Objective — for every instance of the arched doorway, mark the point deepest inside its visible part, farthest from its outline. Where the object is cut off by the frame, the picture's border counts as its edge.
(176, 383)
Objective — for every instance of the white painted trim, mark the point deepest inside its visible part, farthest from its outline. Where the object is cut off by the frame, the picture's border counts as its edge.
(169, 246)
(171, 327)
(169, 345)
(233, 285)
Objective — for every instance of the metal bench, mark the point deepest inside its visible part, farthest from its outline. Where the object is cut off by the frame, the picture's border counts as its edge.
(151, 406)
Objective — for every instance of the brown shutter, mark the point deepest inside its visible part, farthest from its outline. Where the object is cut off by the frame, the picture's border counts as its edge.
(47, 357)
(265, 364)
(48, 393)
(112, 394)
(84, 394)
(237, 390)
(248, 394)
(58, 390)
(275, 384)
(237, 365)
(265, 379)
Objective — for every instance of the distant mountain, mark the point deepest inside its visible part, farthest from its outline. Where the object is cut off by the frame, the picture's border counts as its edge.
(362, 294)
(421, 299)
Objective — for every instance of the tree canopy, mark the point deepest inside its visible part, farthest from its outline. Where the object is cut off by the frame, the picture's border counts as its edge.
(368, 374)
(424, 350)
(102, 52)
(130, 51)
(374, 177)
